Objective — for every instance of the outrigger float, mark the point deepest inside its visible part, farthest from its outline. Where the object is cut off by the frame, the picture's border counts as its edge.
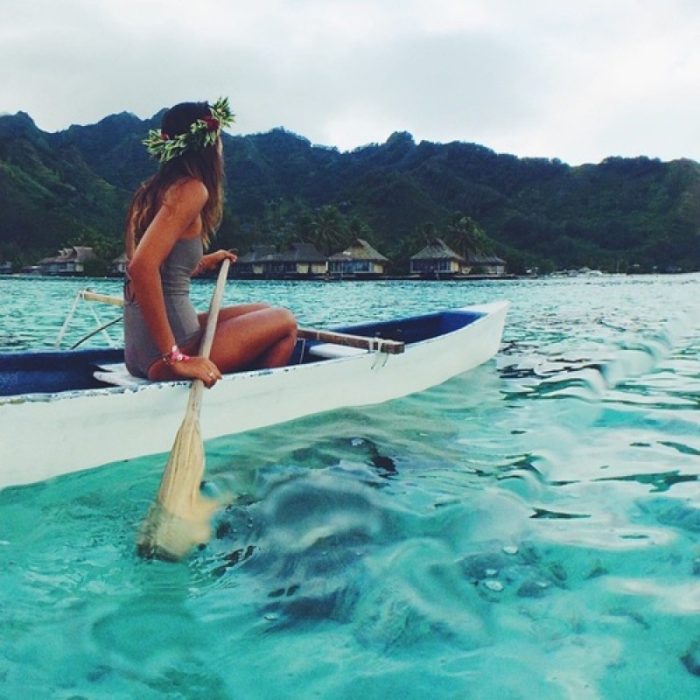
(67, 410)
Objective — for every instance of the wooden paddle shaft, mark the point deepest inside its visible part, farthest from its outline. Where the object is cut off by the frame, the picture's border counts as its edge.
(194, 402)
(212, 318)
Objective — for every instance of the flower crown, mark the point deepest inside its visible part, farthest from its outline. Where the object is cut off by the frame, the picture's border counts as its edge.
(203, 132)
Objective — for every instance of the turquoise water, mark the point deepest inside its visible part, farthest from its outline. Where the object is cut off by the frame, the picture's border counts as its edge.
(528, 530)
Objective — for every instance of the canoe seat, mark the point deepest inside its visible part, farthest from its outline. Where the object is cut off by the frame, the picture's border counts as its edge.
(118, 375)
(333, 350)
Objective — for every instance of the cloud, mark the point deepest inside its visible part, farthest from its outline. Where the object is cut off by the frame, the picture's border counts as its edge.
(576, 80)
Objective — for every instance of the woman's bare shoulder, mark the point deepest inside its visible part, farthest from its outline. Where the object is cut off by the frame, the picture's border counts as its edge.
(188, 191)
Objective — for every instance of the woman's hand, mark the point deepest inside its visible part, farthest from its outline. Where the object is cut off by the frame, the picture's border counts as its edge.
(212, 260)
(197, 367)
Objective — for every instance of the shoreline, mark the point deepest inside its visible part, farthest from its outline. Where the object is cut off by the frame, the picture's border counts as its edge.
(295, 278)
(366, 278)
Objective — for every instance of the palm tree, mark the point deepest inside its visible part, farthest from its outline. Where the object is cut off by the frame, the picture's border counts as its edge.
(465, 236)
(329, 230)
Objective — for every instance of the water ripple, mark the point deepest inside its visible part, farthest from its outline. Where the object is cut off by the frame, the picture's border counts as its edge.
(527, 529)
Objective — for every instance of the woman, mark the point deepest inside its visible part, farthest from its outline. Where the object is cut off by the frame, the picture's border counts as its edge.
(169, 223)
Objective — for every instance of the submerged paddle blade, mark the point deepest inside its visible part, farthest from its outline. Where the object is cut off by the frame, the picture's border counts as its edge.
(180, 517)
(170, 537)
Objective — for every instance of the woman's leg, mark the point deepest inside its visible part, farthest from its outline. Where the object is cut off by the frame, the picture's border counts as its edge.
(253, 336)
(232, 312)
(248, 336)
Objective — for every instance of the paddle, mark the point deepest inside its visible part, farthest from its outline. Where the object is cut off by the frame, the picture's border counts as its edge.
(179, 518)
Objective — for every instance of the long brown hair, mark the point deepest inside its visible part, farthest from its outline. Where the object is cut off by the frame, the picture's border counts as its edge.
(204, 164)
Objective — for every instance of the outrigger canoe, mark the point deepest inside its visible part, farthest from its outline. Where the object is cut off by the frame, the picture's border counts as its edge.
(65, 411)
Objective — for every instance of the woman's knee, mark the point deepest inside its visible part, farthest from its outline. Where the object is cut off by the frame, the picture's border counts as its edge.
(286, 319)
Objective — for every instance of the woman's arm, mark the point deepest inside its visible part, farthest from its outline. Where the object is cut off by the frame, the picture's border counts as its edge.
(212, 260)
(178, 217)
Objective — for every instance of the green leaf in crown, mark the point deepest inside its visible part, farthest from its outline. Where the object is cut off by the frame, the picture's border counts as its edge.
(203, 133)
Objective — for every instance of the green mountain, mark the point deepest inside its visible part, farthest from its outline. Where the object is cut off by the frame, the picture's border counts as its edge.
(72, 187)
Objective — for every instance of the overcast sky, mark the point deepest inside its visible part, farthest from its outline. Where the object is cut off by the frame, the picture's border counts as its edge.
(578, 80)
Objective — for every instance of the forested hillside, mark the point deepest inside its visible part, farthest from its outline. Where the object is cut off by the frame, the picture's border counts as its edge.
(72, 187)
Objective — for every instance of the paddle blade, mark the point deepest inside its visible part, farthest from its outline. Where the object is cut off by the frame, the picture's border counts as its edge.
(170, 537)
(180, 517)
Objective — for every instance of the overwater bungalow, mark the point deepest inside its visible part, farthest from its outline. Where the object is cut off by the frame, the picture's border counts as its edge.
(298, 260)
(257, 262)
(118, 265)
(69, 261)
(437, 259)
(358, 260)
(482, 264)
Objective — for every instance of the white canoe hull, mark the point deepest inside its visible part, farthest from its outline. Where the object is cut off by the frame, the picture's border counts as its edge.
(41, 439)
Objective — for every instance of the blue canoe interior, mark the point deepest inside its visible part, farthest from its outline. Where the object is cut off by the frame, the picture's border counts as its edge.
(71, 370)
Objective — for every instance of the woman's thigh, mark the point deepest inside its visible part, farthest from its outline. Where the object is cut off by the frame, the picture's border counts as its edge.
(232, 312)
(241, 339)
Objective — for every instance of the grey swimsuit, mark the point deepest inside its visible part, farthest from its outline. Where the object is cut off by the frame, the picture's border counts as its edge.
(140, 352)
